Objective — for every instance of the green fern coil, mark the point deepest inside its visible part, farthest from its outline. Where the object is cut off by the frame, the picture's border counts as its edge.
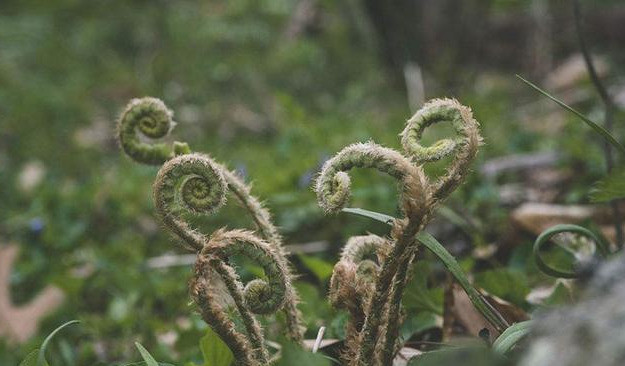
(148, 118)
(257, 297)
(196, 184)
(375, 340)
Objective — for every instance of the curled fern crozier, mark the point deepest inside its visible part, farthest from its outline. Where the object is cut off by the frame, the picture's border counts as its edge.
(258, 296)
(375, 341)
(143, 119)
(191, 182)
(462, 147)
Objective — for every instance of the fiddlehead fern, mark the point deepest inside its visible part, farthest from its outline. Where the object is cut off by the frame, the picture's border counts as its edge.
(333, 184)
(196, 183)
(193, 182)
(257, 297)
(148, 118)
(463, 147)
(262, 219)
(417, 200)
(353, 280)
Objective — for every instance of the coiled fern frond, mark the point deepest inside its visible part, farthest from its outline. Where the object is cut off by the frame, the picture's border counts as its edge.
(195, 183)
(373, 340)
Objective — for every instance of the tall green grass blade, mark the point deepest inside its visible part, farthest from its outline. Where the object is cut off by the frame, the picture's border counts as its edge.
(41, 358)
(370, 214)
(511, 336)
(449, 262)
(454, 268)
(598, 129)
(147, 357)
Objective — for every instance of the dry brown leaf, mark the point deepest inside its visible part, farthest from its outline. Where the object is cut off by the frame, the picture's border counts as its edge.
(459, 308)
(537, 217)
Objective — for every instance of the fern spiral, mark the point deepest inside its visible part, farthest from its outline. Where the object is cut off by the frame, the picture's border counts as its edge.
(195, 183)
(374, 341)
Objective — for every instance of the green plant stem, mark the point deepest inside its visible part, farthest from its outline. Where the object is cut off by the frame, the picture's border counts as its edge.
(609, 114)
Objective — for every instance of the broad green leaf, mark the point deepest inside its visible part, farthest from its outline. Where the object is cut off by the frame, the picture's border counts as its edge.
(419, 297)
(41, 358)
(511, 336)
(321, 268)
(313, 305)
(609, 188)
(596, 127)
(293, 355)
(504, 283)
(214, 350)
(147, 357)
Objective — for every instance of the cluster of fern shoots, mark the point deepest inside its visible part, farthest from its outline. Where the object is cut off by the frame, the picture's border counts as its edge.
(371, 276)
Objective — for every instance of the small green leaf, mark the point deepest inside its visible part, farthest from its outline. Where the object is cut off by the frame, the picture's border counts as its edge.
(511, 336)
(596, 127)
(214, 350)
(295, 355)
(321, 268)
(609, 188)
(371, 214)
(147, 357)
(41, 358)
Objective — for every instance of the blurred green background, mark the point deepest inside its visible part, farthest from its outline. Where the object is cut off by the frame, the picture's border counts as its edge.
(271, 88)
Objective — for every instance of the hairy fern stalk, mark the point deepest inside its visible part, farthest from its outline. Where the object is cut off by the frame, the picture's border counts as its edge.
(372, 290)
(195, 183)
(370, 277)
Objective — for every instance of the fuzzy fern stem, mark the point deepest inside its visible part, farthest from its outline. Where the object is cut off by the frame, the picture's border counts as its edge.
(376, 341)
(197, 184)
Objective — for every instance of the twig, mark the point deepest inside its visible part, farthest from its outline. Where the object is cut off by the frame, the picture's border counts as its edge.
(320, 334)
(609, 114)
